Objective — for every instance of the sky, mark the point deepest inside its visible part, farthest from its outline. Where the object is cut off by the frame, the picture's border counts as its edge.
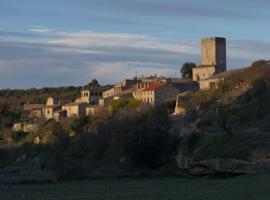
(48, 43)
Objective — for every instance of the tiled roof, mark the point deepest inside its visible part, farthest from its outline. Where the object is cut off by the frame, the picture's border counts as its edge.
(154, 86)
(32, 106)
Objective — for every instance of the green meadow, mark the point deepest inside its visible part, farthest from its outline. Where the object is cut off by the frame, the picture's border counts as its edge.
(255, 187)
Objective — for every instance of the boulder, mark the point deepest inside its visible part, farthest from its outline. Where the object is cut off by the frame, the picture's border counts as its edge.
(224, 166)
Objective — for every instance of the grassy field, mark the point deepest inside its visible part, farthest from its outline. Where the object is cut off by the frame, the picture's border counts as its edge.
(239, 188)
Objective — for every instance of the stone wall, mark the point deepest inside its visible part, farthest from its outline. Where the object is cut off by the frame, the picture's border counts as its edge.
(204, 72)
(210, 83)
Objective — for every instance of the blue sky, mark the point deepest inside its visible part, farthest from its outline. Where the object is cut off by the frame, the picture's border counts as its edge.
(70, 42)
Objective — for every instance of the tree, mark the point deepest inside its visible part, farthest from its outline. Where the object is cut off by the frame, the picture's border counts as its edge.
(259, 63)
(186, 69)
(94, 82)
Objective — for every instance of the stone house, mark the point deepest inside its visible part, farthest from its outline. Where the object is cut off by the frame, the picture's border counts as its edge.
(153, 93)
(75, 109)
(91, 95)
(214, 81)
(25, 127)
(93, 110)
(52, 105)
(146, 92)
(60, 115)
(111, 92)
(203, 72)
(121, 88)
(33, 110)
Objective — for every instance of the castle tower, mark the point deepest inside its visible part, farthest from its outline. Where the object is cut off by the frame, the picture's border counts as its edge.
(213, 52)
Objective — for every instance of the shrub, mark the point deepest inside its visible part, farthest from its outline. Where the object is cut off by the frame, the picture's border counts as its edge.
(78, 125)
(18, 136)
(119, 104)
(150, 143)
(51, 131)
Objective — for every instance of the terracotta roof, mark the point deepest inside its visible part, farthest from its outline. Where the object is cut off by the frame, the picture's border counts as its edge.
(32, 106)
(154, 86)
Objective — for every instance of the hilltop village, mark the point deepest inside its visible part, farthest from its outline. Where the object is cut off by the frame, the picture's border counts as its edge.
(213, 122)
(150, 91)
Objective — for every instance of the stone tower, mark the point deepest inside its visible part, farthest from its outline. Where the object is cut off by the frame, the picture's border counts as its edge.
(213, 52)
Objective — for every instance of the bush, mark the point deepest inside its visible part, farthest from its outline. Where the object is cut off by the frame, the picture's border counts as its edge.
(18, 136)
(150, 143)
(79, 125)
(51, 131)
(119, 104)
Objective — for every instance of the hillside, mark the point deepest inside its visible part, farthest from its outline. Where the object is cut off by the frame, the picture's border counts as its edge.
(231, 122)
(225, 132)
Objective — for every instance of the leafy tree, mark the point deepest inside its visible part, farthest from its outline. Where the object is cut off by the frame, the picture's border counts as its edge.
(186, 69)
(79, 125)
(51, 131)
(259, 63)
(149, 143)
(94, 82)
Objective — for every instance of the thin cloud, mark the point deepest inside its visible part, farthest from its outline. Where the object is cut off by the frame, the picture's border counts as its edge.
(76, 58)
(109, 40)
(40, 29)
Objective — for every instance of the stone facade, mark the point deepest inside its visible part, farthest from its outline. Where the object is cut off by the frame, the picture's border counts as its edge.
(213, 52)
(60, 115)
(25, 127)
(211, 83)
(203, 72)
(75, 109)
(214, 81)
(213, 58)
(33, 110)
(91, 95)
(93, 110)
(121, 88)
(179, 109)
(51, 107)
(145, 92)
(153, 93)
(116, 90)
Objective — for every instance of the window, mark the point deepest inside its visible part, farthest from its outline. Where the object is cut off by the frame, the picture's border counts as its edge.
(48, 112)
(212, 85)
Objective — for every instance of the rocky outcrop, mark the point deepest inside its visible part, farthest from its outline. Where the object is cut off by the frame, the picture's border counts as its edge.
(224, 166)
